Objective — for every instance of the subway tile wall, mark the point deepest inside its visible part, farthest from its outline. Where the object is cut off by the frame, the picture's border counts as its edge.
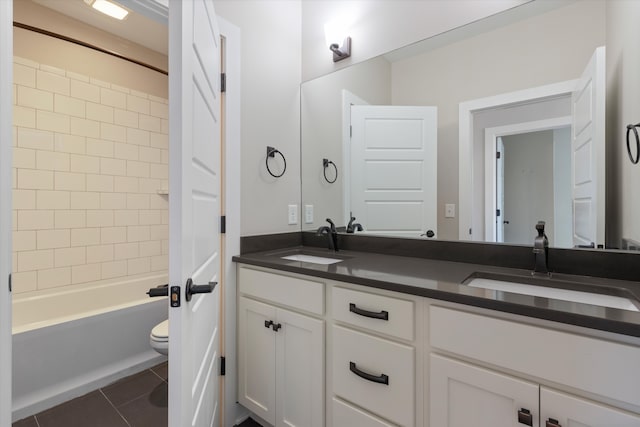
(89, 160)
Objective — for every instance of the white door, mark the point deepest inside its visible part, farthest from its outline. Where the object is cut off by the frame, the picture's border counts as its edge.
(6, 126)
(394, 169)
(463, 395)
(588, 153)
(567, 411)
(194, 212)
(501, 220)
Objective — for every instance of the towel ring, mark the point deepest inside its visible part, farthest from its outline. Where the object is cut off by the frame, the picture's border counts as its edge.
(271, 152)
(633, 159)
(325, 165)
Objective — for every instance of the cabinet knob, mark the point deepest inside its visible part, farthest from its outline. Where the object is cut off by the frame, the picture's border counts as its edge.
(268, 323)
(553, 423)
(525, 417)
(276, 326)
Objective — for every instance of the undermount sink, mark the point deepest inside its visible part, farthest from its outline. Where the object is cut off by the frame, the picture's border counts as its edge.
(313, 259)
(603, 296)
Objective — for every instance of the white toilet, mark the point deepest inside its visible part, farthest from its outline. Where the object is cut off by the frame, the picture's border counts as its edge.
(159, 337)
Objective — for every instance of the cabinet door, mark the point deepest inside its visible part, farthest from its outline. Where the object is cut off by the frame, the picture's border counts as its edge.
(571, 411)
(300, 370)
(463, 395)
(257, 358)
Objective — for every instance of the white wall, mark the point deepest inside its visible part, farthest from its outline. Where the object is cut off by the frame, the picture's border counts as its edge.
(378, 27)
(528, 53)
(270, 58)
(623, 108)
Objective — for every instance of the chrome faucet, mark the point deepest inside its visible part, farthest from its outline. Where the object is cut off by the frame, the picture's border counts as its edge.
(540, 249)
(332, 235)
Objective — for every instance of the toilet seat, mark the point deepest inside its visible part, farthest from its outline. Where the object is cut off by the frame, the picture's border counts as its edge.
(159, 337)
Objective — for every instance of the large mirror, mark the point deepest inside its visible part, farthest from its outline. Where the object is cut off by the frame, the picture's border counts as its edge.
(476, 133)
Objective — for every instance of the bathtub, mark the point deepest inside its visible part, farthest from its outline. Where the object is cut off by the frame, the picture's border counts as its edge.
(72, 341)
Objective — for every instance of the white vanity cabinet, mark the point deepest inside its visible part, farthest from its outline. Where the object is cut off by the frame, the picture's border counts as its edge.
(462, 393)
(280, 351)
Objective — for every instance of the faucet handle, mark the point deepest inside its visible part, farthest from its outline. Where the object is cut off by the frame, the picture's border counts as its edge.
(540, 227)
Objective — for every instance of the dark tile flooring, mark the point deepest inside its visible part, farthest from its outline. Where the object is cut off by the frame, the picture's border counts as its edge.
(139, 400)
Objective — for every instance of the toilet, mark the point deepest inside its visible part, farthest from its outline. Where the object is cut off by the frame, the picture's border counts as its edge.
(159, 337)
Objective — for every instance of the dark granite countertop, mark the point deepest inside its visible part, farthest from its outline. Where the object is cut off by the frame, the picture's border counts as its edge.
(443, 280)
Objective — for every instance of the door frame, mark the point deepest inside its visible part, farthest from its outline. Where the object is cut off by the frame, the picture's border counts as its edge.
(490, 172)
(468, 203)
(348, 99)
(6, 179)
(232, 411)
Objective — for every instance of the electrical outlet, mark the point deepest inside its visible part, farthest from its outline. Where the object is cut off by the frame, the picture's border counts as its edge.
(308, 214)
(293, 214)
(449, 210)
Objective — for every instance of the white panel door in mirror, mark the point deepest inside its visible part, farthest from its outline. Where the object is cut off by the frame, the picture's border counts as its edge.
(393, 187)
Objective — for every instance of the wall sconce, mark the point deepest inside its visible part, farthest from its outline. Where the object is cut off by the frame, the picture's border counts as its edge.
(336, 37)
(341, 52)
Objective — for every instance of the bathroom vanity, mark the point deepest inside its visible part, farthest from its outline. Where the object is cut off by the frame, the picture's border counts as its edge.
(354, 338)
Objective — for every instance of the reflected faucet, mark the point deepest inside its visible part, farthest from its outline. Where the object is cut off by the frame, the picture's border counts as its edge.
(353, 227)
(540, 249)
(332, 235)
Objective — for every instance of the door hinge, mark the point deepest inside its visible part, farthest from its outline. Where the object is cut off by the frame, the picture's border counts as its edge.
(497, 212)
(223, 367)
(497, 154)
(223, 82)
(10, 283)
(469, 231)
(223, 224)
(350, 131)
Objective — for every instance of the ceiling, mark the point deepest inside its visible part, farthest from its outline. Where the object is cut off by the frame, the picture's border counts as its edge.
(135, 27)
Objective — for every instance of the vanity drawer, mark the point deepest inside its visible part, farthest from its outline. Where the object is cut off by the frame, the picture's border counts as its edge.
(302, 294)
(345, 415)
(389, 390)
(590, 364)
(387, 315)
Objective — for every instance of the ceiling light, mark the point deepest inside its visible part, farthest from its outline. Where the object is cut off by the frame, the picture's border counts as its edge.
(110, 8)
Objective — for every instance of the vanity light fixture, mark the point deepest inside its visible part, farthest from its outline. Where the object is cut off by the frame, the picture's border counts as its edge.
(108, 8)
(337, 38)
(341, 52)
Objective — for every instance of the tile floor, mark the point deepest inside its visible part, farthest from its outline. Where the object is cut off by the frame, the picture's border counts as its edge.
(136, 401)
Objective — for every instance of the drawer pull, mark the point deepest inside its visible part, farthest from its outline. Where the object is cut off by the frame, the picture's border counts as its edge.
(525, 417)
(380, 379)
(553, 423)
(383, 315)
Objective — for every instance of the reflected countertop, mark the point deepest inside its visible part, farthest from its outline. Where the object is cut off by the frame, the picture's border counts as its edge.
(443, 280)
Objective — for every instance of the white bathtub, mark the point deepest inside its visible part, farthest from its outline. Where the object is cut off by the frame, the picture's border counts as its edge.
(69, 342)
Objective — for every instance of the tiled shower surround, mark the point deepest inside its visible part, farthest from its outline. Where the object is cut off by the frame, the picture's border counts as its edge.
(90, 179)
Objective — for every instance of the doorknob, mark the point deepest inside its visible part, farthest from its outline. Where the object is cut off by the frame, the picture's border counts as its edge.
(192, 289)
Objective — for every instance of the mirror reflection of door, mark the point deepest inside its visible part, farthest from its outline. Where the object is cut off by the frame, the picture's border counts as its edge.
(536, 186)
(393, 169)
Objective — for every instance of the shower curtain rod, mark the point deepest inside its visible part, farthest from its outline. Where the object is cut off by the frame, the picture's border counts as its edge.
(90, 46)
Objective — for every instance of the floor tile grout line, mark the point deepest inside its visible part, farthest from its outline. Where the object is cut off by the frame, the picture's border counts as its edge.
(140, 395)
(114, 407)
(158, 375)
